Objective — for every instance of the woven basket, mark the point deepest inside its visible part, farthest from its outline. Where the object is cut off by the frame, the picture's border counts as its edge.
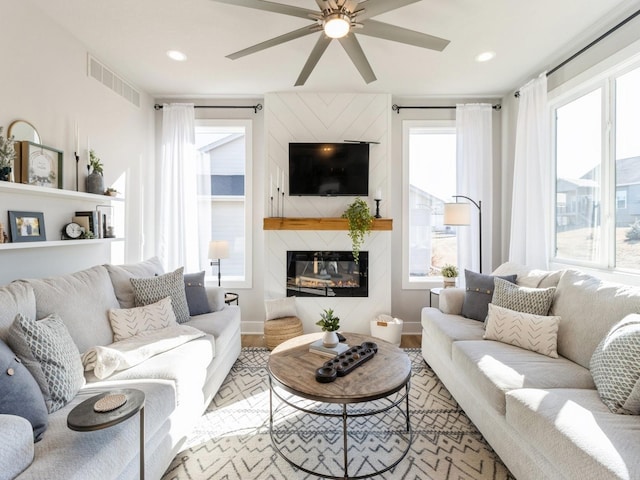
(281, 329)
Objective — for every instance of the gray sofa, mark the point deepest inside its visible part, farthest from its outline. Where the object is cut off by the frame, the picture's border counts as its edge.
(543, 416)
(178, 384)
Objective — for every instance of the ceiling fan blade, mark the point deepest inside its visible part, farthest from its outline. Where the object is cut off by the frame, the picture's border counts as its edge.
(378, 7)
(402, 35)
(301, 32)
(312, 61)
(271, 7)
(350, 5)
(356, 54)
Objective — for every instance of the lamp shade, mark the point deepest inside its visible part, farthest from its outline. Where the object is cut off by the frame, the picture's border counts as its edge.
(218, 249)
(457, 214)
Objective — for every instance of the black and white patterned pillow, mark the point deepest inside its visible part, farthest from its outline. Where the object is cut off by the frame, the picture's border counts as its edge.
(615, 367)
(46, 348)
(536, 301)
(153, 289)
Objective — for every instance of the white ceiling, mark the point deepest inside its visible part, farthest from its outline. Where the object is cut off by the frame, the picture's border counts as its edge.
(132, 36)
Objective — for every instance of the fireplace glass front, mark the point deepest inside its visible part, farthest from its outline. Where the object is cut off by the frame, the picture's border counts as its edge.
(327, 274)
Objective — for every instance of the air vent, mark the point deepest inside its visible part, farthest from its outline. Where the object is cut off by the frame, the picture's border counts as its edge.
(112, 80)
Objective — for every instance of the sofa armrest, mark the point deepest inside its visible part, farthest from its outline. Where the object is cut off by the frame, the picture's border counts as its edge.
(16, 445)
(450, 300)
(215, 297)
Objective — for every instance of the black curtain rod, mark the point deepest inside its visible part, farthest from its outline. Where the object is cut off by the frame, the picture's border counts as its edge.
(255, 108)
(397, 108)
(593, 43)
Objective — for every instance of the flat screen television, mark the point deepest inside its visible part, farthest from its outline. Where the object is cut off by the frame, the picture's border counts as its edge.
(329, 169)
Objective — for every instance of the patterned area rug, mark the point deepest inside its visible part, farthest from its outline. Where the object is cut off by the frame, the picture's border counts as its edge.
(232, 441)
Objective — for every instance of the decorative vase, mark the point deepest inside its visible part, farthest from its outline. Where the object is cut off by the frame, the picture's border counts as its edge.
(449, 282)
(330, 339)
(5, 174)
(95, 183)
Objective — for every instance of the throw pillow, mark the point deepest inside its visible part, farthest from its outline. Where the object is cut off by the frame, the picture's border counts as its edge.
(478, 294)
(536, 301)
(46, 348)
(128, 322)
(537, 333)
(121, 274)
(615, 367)
(280, 308)
(153, 289)
(196, 293)
(19, 392)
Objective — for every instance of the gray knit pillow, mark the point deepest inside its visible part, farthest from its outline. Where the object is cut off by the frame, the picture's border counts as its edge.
(153, 289)
(536, 301)
(46, 348)
(615, 367)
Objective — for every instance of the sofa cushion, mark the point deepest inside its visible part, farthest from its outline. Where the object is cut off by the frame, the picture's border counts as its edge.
(615, 367)
(15, 298)
(280, 308)
(575, 430)
(215, 297)
(196, 293)
(50, 354)
(128, 322)
(536, 301)
(121, 276)
(444, 329)
(530, 277)
(82, 300)
(531, 332)
(153, 289)
(19, 392)
(588, 308)
(494, 368)
(479, 292)
(16, 445)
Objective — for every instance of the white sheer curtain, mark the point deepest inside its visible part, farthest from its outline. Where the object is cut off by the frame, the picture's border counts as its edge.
(178, 215)
(529, 244)
(474, 154)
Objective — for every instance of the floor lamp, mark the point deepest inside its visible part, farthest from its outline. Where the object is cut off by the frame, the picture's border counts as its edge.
(218, 249)
(459, 214)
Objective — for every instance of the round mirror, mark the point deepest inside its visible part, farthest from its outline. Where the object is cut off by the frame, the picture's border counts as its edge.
(22, 130)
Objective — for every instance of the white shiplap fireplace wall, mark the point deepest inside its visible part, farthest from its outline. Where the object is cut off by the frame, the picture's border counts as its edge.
(330, 117)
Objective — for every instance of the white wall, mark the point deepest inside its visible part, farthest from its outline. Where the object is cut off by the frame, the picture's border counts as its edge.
(44, 81)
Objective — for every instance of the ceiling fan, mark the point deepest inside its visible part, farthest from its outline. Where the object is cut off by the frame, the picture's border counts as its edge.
(339, 19)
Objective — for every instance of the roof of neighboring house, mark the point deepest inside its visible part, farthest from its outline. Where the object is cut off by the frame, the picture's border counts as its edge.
(628, 171)
(221, 142)
(418, 191)
(569, 184)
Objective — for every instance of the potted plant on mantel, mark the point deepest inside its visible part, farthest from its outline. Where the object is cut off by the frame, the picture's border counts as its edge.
(95, 180)
(7, 154)
(329, 324)
(449, 273)
(360, 222)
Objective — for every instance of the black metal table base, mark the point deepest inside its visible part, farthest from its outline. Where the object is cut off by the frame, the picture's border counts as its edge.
(345, 415)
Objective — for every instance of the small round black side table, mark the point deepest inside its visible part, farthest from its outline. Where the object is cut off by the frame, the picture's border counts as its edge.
(231, 297)
(83, 418)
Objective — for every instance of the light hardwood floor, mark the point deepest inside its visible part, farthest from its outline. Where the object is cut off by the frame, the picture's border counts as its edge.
(407, 341)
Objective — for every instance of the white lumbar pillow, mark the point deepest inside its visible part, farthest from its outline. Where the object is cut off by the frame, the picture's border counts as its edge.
(128, 322)
(280, 308)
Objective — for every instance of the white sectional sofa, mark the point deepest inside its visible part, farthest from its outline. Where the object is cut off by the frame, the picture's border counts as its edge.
(178, 383)
(543, 416)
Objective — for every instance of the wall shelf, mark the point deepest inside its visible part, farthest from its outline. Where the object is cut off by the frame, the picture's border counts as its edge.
(55, 243)
(21, 188)
(322, 223)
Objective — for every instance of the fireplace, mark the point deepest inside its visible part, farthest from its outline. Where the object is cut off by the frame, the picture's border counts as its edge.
(327, 274)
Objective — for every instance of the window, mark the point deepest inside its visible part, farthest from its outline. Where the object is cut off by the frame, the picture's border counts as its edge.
(429, 157)
(597, 156)
(224, 189)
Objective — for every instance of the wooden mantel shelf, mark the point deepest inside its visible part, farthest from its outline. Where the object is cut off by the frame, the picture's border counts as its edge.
(323, 223)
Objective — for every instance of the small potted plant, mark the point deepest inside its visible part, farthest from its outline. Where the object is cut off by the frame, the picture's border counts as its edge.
(329, 324)
(7, 154)
(111, 192)
(360, 222)
(95, 180)
(449, 273)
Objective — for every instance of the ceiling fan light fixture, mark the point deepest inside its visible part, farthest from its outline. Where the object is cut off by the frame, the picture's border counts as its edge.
(336, 25)
(176, 55)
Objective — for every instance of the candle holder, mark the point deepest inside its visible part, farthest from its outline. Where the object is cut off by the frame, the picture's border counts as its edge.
(77, 162)
(377, 200)
(271, 207)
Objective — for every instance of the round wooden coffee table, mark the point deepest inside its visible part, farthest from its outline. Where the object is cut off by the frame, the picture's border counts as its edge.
(384, 381)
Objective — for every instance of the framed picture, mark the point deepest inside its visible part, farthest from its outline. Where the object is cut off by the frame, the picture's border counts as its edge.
(27, 226)
(41, 165)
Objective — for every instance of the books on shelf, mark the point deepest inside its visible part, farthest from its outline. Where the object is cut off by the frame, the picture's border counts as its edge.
(320, 349)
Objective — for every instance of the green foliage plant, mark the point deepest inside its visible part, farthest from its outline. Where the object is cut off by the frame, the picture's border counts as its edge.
(360, 222)
(328, 322)
(449, 271)
(7, 151)
(633, 234)
(95, 163)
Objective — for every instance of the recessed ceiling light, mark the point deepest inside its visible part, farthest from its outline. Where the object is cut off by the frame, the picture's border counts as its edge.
(485, 56)
(176, 55)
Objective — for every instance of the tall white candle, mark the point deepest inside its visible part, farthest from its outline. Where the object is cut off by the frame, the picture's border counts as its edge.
(77, 139)
(378, 194)
(283, 181)
(88, 149)
(271, 185)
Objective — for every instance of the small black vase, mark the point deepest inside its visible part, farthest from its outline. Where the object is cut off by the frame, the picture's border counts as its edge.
(5, 174)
